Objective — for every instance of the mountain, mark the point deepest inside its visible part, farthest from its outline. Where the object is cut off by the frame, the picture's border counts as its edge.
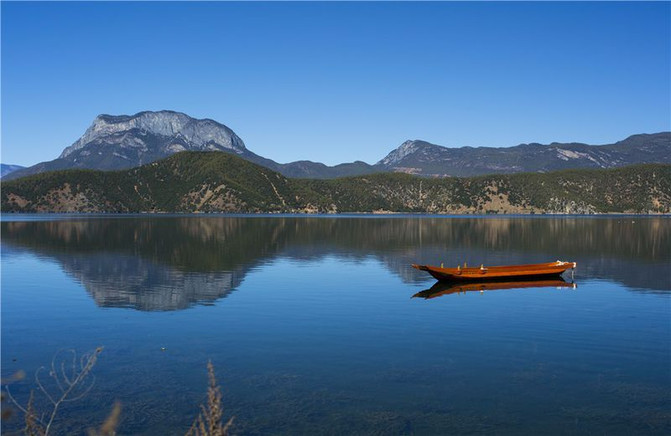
(6, 169)
(222, 182)
(426, 159)
(315, 170)
(123, 141)
(120, 142)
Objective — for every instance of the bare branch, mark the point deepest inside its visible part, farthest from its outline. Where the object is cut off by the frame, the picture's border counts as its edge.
(87, 362)
(39, 384)
(13, 400)
(72, 383)
(83, 394)
(64, 374)
(54, 372)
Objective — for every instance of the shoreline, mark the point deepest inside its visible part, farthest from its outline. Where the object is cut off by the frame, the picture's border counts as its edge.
(366, 215)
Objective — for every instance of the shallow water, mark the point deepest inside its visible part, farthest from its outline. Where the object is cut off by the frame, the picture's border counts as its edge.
(312, 326)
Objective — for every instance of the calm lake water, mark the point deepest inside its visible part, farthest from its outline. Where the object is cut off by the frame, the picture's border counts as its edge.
(314, 324)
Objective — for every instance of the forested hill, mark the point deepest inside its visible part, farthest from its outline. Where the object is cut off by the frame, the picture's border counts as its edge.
(222, 182)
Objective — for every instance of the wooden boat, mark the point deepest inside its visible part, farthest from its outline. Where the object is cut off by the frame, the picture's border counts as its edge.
(445, 288)
(510, 272)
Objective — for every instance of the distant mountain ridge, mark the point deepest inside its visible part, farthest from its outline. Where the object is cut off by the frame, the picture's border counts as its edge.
(426, 159)
(6, 169)
(115, 142)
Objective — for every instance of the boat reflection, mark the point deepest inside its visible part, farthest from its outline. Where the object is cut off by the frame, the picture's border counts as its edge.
(446, 288)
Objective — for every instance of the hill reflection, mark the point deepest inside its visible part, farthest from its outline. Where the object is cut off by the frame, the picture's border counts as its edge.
(169, 263)
(131, 281)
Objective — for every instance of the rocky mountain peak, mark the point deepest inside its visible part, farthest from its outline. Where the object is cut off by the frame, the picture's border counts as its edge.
(188, 133)
(406, 149)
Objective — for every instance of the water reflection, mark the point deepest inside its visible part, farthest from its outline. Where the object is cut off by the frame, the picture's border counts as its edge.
(133, 282)
(168, 263)
(443, 288)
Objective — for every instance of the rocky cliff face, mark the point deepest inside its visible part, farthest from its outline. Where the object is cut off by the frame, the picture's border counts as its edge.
(174, 132)
(120, 142)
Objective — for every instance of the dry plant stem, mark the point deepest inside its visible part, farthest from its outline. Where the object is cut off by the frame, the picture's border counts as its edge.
(66, 384)
(29, 412)
(110, 424)
(86, 364)
(108, 428)
(209, 422)
(33, 427)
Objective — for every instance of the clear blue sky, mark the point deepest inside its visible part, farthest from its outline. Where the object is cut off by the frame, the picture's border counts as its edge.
(337, 82)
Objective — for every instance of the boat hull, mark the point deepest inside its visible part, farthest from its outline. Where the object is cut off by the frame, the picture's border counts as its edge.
(531, 271)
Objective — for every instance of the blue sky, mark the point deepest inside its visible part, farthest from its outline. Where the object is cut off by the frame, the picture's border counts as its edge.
(337, 82)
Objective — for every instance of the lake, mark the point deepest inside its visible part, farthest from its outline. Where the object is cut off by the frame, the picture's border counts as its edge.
(318, 325)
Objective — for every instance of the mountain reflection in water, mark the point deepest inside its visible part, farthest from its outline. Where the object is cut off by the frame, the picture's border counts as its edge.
(170, 263)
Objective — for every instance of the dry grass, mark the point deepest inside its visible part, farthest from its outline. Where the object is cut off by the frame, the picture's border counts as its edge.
(210, 419)
(71, 380)
(33, 426)
(108, 428)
